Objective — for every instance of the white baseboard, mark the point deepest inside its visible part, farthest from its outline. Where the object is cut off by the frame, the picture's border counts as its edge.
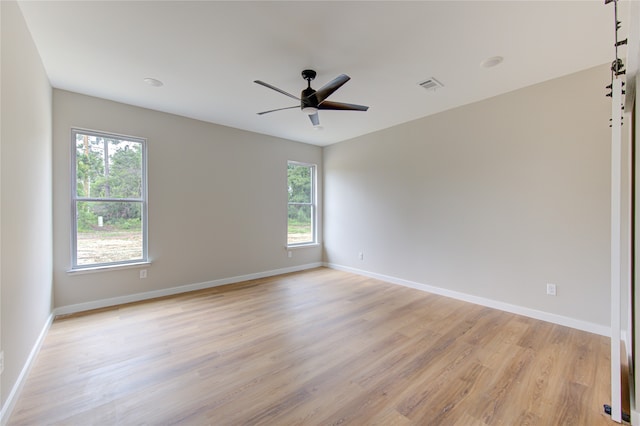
(120, 300)
(507, 307)
(10, 403)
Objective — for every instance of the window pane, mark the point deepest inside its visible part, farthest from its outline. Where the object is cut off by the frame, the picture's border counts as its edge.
(300, 224)
(299, 177)
(108, 167)
(108, 232)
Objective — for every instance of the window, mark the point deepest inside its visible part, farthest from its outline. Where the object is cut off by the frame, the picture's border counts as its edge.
(109, 199)
(301, 224)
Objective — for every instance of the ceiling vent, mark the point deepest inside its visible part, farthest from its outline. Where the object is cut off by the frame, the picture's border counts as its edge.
(431, 84)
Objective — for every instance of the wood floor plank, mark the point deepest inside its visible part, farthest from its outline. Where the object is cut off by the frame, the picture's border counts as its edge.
(318, 347)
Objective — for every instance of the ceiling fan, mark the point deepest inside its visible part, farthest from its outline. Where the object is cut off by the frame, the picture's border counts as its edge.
(313, 100)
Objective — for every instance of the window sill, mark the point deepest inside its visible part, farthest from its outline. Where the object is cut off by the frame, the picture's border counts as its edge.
(299, 246)
(104, 268)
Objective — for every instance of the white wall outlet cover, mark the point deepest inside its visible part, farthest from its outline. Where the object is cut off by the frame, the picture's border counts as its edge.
(551, 289)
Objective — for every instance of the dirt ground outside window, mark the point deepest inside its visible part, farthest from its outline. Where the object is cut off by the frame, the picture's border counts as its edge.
(109, 246)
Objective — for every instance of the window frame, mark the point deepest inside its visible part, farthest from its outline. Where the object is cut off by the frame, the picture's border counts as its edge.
(313, 204)
(75, 199)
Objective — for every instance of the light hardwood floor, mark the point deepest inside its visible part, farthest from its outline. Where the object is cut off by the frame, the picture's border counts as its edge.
(317, 347)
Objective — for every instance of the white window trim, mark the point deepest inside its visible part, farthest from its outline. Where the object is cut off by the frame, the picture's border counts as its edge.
(109, 267)
(302, 245)
(74, 199)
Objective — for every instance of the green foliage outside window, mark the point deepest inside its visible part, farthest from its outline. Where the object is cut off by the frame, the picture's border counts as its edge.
(112, 169)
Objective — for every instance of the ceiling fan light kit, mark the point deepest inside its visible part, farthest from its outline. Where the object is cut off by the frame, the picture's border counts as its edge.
(312, 100)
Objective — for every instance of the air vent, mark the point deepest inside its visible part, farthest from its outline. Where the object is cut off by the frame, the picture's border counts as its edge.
(431, 84)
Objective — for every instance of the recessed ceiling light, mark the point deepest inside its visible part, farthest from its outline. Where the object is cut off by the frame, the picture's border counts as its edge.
(491, 62)
(153, 82)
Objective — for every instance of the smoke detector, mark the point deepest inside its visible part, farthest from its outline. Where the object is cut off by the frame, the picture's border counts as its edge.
(431, 84)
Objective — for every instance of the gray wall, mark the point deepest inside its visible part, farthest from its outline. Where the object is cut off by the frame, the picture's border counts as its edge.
(494, 199)
(25, 196)
(217, 200)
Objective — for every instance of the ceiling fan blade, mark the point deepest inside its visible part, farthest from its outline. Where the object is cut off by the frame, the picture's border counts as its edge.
(326, 90)
(279, 109)
(315, 120)
(342, 106)
(262, 83)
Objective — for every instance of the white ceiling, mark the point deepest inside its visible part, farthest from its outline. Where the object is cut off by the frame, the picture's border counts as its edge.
(208, 53)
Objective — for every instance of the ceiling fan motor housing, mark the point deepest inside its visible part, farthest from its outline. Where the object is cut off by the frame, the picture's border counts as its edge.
(308, 100)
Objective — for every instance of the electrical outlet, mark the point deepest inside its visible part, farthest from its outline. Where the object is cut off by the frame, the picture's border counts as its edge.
(551, 289)
(289, 254)
(361, 255)
(143, 273)
(1, 362)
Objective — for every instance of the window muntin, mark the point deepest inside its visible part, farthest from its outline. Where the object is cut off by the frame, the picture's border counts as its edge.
(301, 214)
(109, 199)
